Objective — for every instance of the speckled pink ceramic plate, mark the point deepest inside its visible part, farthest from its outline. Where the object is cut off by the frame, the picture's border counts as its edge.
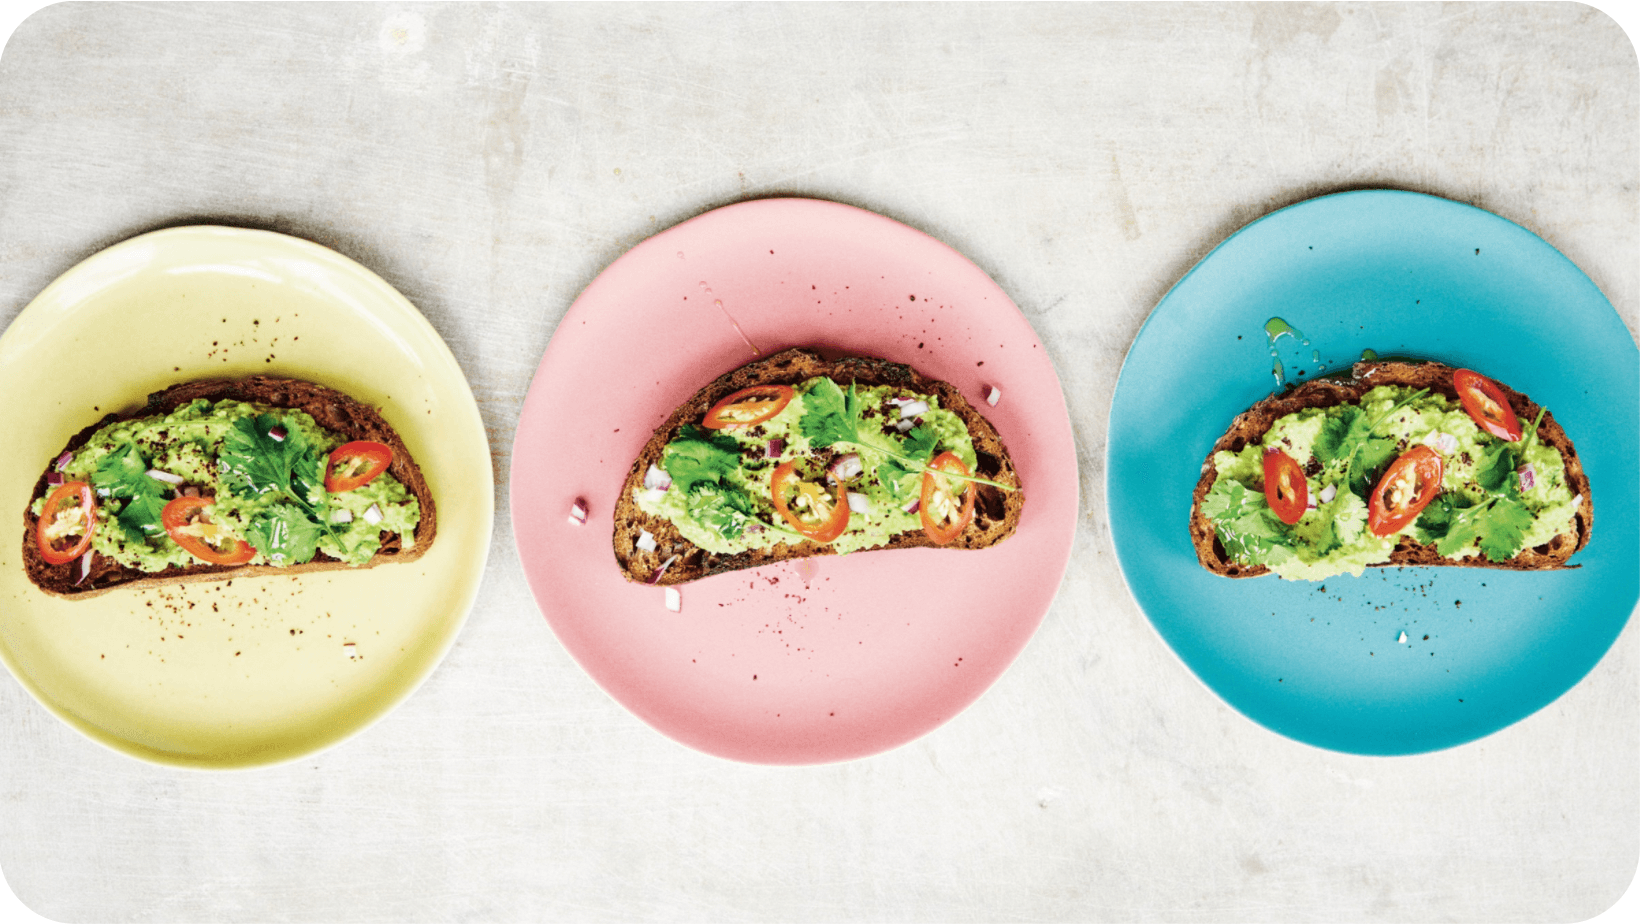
(806, 662)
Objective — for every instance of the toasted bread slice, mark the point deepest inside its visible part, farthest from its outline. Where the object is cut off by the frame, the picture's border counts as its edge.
(338, 413)
(1251, 426)
(676, 560)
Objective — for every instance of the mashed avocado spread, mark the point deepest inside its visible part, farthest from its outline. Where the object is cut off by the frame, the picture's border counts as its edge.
(261, 468)
(1496, 497)
(715, 485)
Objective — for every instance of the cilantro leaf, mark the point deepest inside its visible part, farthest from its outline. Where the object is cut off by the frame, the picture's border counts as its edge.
(1505, 528)
(141, 517)
(1340, 434)
(123, 475)
(253, 463)
(720, 508)
(917, 449)
(284, 534)
(830, 415)
(1246, 526)
(1495, 466)
(700, 456)
(1371, 457)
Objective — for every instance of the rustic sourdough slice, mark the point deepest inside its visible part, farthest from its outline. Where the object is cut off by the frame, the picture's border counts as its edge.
(338, 413)
(1251, 425)
(996, 512)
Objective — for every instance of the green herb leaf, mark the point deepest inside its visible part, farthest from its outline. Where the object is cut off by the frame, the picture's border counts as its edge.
(1495, 469)
(1371, 458)
(720, 508)
(1504, 529)
(123, 475)
(1250, 532)
(830, 415)
(1340, 434)
(896, 473)
(284, 534)
(700, 456)
(253, 463)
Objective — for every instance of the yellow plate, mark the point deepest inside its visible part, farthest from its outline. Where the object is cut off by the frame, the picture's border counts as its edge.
(254, 671)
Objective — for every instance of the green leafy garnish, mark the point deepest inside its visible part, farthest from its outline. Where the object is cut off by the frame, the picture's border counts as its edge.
(1348, 437)
(1496, 525)
(254, 463)
(123, 475)
(700, 456)
(1248, 529)
(284, 534)
(832, 416)
(720, 508)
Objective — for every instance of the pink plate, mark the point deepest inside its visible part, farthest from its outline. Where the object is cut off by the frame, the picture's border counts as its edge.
(823, 659)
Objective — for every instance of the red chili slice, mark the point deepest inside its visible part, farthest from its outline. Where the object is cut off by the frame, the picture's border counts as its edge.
(1405, 489)
(748, 406)
(184, 521)
(1484, 401)
(356, 464)
(819, 518)
(66, 523)
(1285, 487)
(944, 515)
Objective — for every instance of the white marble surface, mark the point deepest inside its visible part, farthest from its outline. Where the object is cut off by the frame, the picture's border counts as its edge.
(489, 160)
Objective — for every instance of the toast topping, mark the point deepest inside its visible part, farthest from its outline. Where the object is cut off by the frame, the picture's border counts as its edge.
(1402, 464)
(229, 482)
(828, 465)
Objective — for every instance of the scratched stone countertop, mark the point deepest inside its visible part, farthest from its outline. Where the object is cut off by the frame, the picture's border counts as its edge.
(490, 160)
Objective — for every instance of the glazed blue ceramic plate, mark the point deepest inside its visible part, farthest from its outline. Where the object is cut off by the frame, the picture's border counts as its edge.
(1402, 274)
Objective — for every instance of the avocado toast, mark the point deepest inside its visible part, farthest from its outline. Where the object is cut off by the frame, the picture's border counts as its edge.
(795, 455)
(213, 480)
(1399, 463)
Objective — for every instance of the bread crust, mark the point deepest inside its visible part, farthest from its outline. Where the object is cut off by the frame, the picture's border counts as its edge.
(996, 512)
(1251, 425)
(334, 411)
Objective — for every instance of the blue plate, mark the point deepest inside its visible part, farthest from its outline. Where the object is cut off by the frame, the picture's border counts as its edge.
(1400, 274)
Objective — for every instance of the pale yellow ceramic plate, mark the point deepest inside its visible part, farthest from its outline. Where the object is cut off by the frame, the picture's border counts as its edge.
(256, 671)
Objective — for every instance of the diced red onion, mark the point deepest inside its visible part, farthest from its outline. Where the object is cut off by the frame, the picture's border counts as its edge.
(674, 600)
(847, 466)
(1577, 501)
(905, 425)
(277, 434)
(1528, 477)
(1446, 443)
(85, 567)
(373, 515)
(913, 408)
(578, 512)
(993, 394)
(653, 578)
(342, 515)
(1328, 493)
(859, 503)
(655, 479)
(916, 502)
(646, 541)
(167, 477)
(754, 527)
(63, 460)
(775, 447)
(54, 478)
